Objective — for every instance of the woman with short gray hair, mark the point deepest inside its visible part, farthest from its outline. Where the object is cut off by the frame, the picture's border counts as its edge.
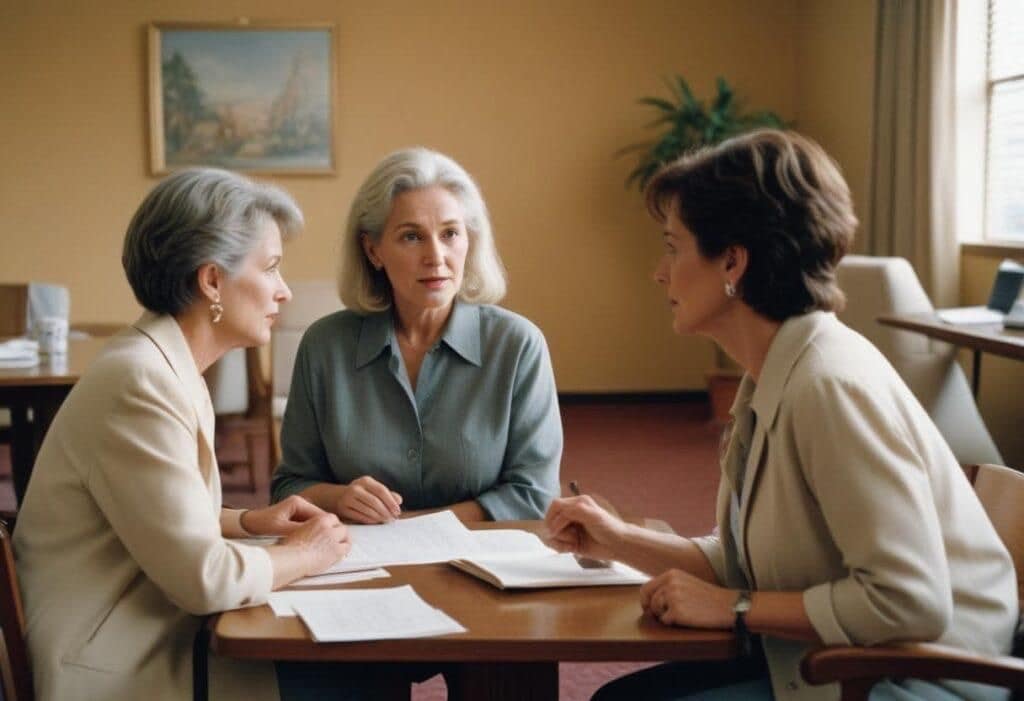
(422, 395)
(122, 541)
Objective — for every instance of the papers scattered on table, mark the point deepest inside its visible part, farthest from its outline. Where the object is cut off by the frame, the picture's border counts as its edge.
(19, 353)
(321, 580)
(371, 614)
(545, 571)
(437, 537)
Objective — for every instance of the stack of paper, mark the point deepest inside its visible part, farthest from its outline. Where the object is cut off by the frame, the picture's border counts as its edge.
(371, 614)
(437, 537)
(545, 571)
(19, 353)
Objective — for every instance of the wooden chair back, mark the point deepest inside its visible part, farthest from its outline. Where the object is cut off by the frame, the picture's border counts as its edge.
(14, 663)
(1001, 491)
(13, 309)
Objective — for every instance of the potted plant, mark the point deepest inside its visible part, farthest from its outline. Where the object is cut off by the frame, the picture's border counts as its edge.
(686, 123)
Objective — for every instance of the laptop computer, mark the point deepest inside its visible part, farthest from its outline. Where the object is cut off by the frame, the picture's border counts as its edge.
(1005, 290)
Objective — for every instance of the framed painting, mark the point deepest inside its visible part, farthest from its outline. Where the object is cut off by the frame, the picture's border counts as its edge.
(255, 98)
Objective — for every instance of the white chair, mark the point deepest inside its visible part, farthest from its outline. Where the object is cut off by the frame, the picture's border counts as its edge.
(240, 401)
(878, 286)
(311, 300)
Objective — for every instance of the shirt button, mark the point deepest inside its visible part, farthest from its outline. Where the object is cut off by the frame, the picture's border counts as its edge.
(412, 453)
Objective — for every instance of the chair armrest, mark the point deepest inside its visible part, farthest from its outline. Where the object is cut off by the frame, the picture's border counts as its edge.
(911, 660)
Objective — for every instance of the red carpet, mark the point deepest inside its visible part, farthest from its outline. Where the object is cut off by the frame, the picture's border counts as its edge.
(655, 460)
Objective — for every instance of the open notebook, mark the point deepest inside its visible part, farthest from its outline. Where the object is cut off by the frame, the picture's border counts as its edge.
(546, 570)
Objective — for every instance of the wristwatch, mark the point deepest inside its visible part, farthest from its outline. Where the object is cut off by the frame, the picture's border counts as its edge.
(740, 608)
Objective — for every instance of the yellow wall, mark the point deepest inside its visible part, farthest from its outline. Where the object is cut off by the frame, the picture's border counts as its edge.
(532, 97)
(835, 97)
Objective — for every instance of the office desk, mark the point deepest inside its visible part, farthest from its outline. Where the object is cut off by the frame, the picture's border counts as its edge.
(515, 639)
(41, 389)
(980, 338)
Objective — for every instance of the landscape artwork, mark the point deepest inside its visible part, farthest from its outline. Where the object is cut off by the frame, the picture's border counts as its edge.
(250, 99)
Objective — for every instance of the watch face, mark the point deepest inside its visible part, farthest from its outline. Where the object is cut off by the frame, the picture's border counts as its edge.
(742, 604)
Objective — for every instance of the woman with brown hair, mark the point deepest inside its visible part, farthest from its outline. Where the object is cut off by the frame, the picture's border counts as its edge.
(833, 476)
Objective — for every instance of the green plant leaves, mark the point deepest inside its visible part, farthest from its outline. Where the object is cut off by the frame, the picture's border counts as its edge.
(687, 123)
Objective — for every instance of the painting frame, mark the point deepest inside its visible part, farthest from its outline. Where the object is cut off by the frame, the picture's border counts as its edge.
(259, 134)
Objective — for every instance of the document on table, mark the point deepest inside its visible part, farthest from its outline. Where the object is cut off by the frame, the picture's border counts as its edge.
(320, 580)
(372, 614)
(437, 537)
(543, 571)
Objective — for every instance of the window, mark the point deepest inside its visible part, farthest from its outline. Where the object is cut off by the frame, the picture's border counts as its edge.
(1004, 207)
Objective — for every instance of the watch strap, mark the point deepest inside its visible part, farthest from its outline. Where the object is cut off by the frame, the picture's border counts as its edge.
(740, 628)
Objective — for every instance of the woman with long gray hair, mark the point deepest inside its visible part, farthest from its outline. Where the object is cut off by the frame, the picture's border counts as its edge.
(122, 540)
(422, 395)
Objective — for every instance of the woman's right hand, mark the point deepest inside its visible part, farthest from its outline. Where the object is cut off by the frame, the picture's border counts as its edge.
(365, 500)
(580, 525)
(321, 541)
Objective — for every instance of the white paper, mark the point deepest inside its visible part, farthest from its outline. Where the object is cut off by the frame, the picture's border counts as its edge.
(509, 542)
(966, 316)
(372, 614)
(556, 570)
(437, 537)
(340, 578)
(19, 353)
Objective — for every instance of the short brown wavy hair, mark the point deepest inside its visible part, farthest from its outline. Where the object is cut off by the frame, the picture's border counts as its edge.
(778, 195)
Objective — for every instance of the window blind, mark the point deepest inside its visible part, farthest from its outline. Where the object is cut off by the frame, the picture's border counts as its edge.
(1005, 161)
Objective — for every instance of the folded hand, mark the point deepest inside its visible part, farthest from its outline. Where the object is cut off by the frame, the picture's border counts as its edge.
(365, 500)
(680, 599)
(281, 518)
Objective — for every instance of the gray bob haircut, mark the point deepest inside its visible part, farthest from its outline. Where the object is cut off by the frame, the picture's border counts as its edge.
(194, 217)
(364, 289)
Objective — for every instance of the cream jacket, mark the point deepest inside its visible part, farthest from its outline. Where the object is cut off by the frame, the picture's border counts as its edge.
(852, 497)
(118, 544)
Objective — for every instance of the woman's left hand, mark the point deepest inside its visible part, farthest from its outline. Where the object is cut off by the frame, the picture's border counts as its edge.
(678, 598)
(281, 518)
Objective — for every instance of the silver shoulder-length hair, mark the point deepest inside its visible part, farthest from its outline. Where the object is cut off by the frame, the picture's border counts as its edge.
(364, 289)
(194, 217)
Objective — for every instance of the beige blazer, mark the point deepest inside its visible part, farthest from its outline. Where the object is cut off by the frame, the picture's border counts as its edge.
(852, 497)
(118, 544)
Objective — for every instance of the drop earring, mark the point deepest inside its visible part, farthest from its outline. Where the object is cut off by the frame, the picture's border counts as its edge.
(730, 290)
(216, 310)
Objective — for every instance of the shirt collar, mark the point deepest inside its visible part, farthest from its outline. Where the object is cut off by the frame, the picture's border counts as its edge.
(374, 336)
(461, 334)
(795, 334)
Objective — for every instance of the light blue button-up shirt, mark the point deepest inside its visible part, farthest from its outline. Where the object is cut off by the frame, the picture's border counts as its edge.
(482, 423)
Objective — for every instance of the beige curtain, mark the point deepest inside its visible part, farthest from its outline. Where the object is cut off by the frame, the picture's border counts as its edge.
(913, 163)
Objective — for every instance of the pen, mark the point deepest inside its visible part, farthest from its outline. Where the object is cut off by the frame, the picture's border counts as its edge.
(588, 563)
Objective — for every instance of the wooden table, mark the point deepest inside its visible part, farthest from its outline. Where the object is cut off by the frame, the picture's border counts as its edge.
(41, 389)
(515, 639)
(978, 338)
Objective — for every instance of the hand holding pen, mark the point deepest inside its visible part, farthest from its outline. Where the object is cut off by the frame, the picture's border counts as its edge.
(584, 527)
